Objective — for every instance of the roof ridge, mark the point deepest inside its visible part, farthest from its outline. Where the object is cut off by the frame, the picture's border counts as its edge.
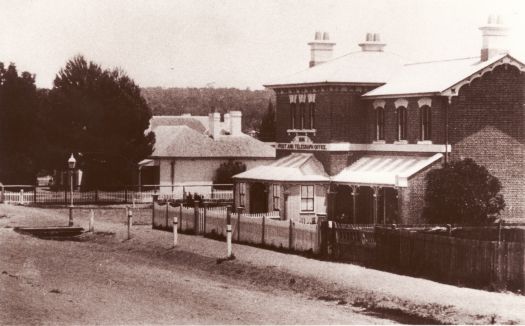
(443, 60)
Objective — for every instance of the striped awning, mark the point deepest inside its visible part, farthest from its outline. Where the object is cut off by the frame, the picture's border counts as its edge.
(296, 167)
(381, 170)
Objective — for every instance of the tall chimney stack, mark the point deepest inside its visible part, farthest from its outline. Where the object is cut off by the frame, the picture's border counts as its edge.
(372, 43)
(321, 49)
(494, 38)
(236, 123)
(214, 127)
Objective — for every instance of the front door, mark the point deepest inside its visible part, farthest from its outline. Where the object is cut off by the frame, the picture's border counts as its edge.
(258, 198)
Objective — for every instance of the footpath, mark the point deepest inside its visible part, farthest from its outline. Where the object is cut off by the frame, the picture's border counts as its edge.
(346, 284)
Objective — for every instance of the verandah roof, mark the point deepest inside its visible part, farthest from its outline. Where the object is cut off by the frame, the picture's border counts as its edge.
(381, 170)
(297, 167)
(370, 170)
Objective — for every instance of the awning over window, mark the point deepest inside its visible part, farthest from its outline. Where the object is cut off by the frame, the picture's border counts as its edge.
(297, 167)
(384, 170)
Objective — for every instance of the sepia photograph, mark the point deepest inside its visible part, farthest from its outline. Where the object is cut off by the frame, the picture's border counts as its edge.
(262, 162)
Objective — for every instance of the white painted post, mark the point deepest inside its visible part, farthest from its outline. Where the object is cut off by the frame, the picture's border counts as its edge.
(130, 221)
(228, 232)
(92, 221)
(175, 230)
(21, 197)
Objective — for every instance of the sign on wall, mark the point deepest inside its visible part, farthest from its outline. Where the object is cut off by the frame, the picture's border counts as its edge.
(305, 147)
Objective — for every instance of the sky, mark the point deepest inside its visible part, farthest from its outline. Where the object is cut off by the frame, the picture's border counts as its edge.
(235, 43)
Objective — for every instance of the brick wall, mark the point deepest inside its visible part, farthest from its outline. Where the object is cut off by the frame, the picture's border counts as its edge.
(487, 124)
(339, 116)
(413, 121)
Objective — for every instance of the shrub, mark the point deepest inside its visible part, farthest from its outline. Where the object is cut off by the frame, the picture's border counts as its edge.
(462, 192)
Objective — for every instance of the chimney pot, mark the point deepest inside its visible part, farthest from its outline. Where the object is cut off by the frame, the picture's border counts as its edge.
(317, 36)
(372, 43)
(326, 36)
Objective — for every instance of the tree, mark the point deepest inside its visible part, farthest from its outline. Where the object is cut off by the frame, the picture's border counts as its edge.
(18, 127)
(100, 115)
(227, 170)
(464, 193)
(267, 129)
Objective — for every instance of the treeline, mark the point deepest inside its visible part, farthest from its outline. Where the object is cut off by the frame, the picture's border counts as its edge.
(96, 114)
(201, 101)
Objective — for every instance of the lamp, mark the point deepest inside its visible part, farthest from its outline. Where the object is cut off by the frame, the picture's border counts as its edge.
(71, 162)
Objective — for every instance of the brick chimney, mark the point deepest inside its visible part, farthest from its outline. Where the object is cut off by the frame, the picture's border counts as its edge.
(236, 123)
(494, 38)
(372, 43)
(321, 49)
(214, 127)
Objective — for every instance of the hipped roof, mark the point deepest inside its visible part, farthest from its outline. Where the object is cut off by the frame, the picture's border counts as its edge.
(183, 141)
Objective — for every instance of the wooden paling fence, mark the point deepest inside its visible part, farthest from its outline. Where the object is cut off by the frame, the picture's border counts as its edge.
(259, 229)
(456, 257)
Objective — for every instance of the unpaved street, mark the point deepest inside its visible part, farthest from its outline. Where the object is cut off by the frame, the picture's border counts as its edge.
(106, 280)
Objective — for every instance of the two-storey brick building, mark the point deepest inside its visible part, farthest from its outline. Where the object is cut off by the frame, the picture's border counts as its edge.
(356, 135)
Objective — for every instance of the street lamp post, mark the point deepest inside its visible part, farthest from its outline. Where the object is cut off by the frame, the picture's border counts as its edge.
(71, 165)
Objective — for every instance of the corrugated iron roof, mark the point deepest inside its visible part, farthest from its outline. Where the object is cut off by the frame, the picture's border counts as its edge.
(296, 167)
(384, 170)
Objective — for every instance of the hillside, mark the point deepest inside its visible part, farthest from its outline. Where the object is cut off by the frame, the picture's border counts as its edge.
(200, 101)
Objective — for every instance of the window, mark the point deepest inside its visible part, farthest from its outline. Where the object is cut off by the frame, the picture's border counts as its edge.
(242, 194)
(292, 115)
(307, 198)
(425, 122)
(276, 193)
(402, 123)
(312, 115)
(380, 123)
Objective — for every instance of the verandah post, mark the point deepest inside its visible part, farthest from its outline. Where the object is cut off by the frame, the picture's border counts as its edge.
(205, 204)
(263, 228)
(290, 236)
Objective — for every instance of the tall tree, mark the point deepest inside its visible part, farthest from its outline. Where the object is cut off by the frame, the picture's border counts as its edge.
(267, 129)
(101, 116)
(18, 129)
(462, 192)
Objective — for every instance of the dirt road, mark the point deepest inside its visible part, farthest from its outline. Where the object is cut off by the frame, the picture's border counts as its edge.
(107, 280)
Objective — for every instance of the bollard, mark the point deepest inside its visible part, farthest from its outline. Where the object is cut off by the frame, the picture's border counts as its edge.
(130, 221)
(175, 231)
(70, 216)
(228, 232)
(92, 221)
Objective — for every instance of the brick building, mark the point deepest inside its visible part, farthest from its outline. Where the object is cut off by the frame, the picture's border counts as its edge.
(373, 125)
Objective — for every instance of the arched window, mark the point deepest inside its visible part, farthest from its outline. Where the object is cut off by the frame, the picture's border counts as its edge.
(302, 113)
(292, 115)
(401, 123)
(426, 122)
(380, 123)
(312, 115)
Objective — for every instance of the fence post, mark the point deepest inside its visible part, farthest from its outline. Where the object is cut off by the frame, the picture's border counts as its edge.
(228, 232)
(196, 216)
(96, 195)
(175, 229)
(65, 195)
(290, 236)
(239, 213)
(125, 195)
(499, 231)
(154, 198)
(180, 214)
(167, 214)
(130, 221)
(263, 227)
(205, 204)
(21, 196)
(34, 194)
